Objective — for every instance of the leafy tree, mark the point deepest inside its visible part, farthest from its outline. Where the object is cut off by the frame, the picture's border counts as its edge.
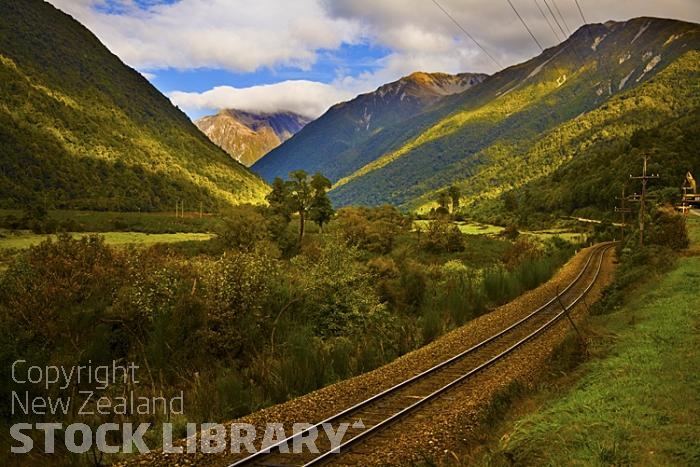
(444, 200)
(278, 199)
(669, 229)
(442, 236)
(321, 209)
(300, 195)
(455, 194)
(244, 227)
(373, 230)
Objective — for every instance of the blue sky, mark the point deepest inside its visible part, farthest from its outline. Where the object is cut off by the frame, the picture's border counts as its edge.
(305, 55)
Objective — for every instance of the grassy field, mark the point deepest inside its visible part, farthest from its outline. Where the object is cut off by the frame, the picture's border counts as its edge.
(24, 239)
(638, 402)
(467, 228)
(108, 221)
(475, 228)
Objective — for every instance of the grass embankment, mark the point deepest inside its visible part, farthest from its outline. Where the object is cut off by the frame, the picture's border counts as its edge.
(637, 402)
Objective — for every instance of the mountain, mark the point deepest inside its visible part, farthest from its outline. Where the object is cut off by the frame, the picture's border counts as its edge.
(349, 134)
(522, 124)
(247, 136)
(81, 130)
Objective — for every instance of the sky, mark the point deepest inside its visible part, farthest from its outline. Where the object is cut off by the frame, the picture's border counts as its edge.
(306, 55)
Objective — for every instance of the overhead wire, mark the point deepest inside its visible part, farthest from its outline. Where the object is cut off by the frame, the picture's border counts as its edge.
(467, 33)
(551, 12)
(581, 12)
(554, 31)
(526, 27)
(568, 29)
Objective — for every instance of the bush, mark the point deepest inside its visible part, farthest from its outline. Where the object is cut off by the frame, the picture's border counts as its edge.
(442, 236)
(668, 229)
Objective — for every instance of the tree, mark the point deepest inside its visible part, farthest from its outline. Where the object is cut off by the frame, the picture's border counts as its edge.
(444, 200)
(243, 228)
(279, 199)
(455, 194)
(321, 209)
(300, 195)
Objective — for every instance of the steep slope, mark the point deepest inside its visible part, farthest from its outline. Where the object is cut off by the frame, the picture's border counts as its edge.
(524, 122)
(247, 136)
(659, 119)
(353, 133)
(79, 129)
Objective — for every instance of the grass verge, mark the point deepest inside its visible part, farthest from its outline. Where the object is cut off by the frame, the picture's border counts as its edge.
(637, 402)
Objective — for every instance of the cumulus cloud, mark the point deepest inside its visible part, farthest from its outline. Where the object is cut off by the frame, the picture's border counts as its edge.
(308, 98)
(237, 35)
(244, 36)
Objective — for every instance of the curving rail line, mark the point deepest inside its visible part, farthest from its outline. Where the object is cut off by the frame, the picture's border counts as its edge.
(390, 405)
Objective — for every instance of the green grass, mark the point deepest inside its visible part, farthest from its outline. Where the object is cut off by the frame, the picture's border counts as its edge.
(468, 228)
(477, 228)
(640, 403)
(571, 237)
(22, 240)
(111, 221)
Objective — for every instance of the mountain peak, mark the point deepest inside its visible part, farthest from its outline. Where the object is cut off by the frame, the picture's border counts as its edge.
(246, 136)
(422, 133)
(356, 122)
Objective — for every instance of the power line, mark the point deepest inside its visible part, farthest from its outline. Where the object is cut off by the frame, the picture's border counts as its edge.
(525, 24)
(556, 36)
(581, 11)
(555, 18)
(467, 34)
(562, 17)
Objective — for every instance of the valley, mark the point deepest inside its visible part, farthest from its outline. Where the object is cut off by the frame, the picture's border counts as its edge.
(216, 215)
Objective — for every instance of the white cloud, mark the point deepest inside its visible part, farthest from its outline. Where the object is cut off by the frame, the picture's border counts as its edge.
(307, 98)
(148, 76)
(245, 36)
(237, 35)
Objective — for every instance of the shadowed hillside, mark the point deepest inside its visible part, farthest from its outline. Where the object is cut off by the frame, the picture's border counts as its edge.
(79, 129)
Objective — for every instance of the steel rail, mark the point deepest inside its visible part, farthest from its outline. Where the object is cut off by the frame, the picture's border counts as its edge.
(269, 450)
(435, 394)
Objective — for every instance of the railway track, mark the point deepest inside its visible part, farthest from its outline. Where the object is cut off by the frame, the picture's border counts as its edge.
(367, 418)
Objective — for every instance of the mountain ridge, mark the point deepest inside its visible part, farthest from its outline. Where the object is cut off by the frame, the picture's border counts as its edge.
(358, 122)
(247, 136)
(81, 130)
(472, 138)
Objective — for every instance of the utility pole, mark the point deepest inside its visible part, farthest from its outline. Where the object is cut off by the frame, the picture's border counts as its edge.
(644, 177)
(623, 210)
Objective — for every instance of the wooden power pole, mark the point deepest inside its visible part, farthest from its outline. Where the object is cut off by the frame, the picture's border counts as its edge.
(622, 210)
(644, 177)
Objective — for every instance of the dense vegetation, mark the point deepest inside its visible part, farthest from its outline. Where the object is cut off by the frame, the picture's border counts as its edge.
(258, 316)
(592, 184)
(80, 130)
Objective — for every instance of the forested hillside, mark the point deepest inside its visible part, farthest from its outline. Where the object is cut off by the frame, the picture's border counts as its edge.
(79, 129)
(526, 121)
(586, 95)
(660, 120)
(351, 134)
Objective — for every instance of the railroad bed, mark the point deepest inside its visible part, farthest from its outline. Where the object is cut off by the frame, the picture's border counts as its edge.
(413, 407)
